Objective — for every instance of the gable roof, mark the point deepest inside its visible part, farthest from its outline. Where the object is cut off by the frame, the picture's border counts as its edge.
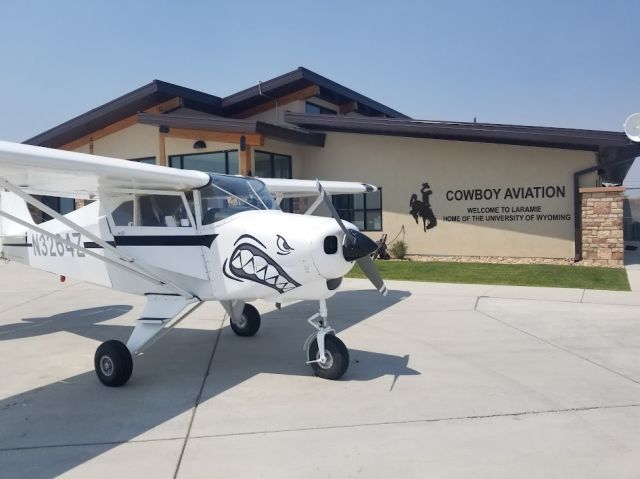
(300, 78)
(159, 91)
(125, 106)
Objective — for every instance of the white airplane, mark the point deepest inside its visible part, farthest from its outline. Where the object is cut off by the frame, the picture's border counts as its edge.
(180, 238)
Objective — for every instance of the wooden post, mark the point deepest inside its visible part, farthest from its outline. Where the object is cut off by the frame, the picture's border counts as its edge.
(245, 161)
(162, 151)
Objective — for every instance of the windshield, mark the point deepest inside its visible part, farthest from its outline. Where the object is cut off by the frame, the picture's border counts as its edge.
(227, 195)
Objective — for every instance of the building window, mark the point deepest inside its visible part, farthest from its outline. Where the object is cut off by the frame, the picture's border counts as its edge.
(273, 165)
(211, 162)
(313, 108)
(363, 210)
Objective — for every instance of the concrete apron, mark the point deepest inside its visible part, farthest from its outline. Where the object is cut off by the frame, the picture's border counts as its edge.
(444, 381)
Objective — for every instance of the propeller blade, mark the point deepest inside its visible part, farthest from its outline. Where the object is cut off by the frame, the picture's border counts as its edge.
(370, 270)
(329, 204)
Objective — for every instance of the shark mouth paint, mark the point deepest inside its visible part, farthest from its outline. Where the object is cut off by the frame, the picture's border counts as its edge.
(248, 262)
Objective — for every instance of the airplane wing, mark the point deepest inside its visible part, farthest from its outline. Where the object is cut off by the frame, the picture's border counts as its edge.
(284, 188)
(46, 171)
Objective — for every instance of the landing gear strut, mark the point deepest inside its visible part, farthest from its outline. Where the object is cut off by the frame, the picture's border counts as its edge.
(327, 355)
(113, 360)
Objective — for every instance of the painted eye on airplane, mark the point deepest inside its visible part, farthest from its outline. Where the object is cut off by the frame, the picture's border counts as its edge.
(283, 246)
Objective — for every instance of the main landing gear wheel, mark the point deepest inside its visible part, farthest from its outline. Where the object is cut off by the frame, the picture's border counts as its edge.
(248, 324)
(113, 363)
(336, 359)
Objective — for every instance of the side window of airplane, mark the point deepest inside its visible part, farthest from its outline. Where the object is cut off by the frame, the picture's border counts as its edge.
(152, 210)
(162, 210)
(123, 214)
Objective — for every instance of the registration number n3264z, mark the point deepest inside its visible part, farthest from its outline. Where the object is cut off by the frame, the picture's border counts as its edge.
(48, 246)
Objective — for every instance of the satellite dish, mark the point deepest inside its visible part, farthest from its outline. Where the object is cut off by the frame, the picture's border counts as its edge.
(632, 127)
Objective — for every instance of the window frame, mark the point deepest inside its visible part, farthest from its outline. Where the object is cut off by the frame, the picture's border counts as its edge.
(116, 199)
(323, 110)
(226, 159)
(286, 204)
(272, 162)
(364, 209)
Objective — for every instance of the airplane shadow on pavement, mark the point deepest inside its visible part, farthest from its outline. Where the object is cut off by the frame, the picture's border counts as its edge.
(167, 380)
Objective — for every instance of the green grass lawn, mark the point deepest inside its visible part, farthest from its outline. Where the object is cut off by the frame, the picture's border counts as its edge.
(555, 276)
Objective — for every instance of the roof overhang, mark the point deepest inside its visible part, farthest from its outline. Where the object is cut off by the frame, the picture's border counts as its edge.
(123, 107)
(615, 151)
(231, 125)
(296, 80)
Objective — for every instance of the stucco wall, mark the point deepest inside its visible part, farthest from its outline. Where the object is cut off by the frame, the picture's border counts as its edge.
(136, 141)
(401, 165)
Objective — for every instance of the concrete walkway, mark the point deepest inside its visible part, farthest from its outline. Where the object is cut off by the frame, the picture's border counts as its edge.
(444, 381)
(632, 265)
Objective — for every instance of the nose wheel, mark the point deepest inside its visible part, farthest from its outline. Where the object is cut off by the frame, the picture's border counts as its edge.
(335, 361)
(247, 323)
(326, 354)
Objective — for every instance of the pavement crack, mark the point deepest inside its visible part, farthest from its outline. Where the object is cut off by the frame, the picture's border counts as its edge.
(419, 421)
(557, 346)
(199, 397)
(88, 444)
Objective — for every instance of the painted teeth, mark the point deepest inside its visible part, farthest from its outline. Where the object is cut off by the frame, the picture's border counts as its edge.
(258, 266)
(245, 257)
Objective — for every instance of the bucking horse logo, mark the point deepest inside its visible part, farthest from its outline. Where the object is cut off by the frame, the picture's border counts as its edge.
(422, 208)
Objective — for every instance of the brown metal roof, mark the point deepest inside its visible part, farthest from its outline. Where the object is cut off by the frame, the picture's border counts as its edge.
(615, 150)
(297, 79)
(293, 135)
(122, 107)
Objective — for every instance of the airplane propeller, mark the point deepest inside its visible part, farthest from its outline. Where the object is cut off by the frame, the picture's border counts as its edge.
(358, 246)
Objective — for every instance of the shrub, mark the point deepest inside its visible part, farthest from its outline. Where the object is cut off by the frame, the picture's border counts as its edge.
(399, 249)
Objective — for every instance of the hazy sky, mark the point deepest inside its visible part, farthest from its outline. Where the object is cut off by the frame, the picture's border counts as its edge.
(554, 63)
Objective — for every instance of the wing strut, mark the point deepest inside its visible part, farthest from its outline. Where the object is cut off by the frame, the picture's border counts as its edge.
(122, 261)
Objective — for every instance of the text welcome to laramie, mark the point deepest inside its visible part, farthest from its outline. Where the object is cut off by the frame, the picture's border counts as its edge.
(508, 193)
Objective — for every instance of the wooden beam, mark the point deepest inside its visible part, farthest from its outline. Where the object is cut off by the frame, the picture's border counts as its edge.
(161, 160)
(348, 107)
(166, 106)
(163, 107)
(253, 139)
(308, 92)
(245, 161)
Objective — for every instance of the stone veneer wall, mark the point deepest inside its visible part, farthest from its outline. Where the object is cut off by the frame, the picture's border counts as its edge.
(602, 232)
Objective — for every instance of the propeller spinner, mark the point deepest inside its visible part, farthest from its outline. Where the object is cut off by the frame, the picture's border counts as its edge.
(357, 246)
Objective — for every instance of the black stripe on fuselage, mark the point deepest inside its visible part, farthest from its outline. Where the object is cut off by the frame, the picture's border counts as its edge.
(199, 240)
(24, 245)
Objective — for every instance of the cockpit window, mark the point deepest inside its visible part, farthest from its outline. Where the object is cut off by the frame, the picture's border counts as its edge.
(227, 195)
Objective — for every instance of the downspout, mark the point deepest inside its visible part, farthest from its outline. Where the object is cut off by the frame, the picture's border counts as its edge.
(577, 210)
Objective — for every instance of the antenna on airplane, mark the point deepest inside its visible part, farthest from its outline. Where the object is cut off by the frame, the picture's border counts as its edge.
(632, 127)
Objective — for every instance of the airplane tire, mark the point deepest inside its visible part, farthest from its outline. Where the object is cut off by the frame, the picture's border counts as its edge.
(113, 363)
(249, 323)
(338, 360)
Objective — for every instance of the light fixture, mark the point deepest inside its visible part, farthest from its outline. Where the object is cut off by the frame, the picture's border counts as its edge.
(199, 145)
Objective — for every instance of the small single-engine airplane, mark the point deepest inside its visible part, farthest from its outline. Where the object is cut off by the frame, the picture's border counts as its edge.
(180, 238)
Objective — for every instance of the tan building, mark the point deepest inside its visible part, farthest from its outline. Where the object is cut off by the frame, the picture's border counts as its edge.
(453, 189)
